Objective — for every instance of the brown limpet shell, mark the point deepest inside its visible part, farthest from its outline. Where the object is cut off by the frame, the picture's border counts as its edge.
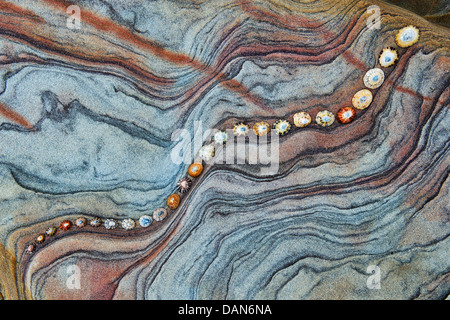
(30, 249)
(173, 201)
(81, 222)
(95, 222)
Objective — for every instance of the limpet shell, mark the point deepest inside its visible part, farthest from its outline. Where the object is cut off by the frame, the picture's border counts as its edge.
(128, 224)
(220, 137)
(261, 128)
(110, 224)
(184, 184)
(206, 153)
(145, 221)
(65, 225)
(240, 129)
(302, 119)
(159, 214)
(362, 99)
(95, 222)
(81, 222)
(374, 78)
(50, 231)
(281, 127)
(388, 57)
(173, 201)
(407, 36)
(325, 118)
(40, 238)
(30, 249)
(346, 114)
(195, 170)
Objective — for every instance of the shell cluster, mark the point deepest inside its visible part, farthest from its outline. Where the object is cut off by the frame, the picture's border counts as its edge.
(362, 99)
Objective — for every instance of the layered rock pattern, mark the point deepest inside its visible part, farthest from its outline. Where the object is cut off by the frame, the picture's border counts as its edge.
(88, 117)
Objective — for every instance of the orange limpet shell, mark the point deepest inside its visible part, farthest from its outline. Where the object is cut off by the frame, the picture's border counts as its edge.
(346, 114)
(40, 238)
(173, 201)
(65, 225)
(195, 169)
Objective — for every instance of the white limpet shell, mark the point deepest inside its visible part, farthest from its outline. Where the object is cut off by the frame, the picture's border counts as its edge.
(128, 224)
(145, 221)
(159, 214)
(110, 224)
(302, 119)
(362, 99)
(407, 36)
(240, 129)
(220, 137)
(388, 57)
(206, 153)
(96, 222)
(325, 118)
(374, 78)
